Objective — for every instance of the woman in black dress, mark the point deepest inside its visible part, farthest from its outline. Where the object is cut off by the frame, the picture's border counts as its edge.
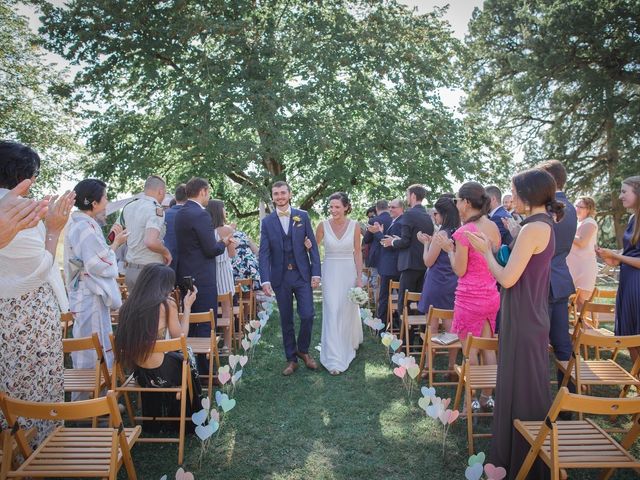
(523, 389)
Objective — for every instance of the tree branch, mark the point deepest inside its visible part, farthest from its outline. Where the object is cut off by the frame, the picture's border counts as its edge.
(311, 198)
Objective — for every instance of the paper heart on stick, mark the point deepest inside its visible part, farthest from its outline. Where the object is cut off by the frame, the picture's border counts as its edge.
(243, 360)
(474, 472)
(224, 369)
(396, 343)
(233, 361)
(246, 344)
(182, 475)
(423, 402)
(224, 377)
(163, 477)
(236, 377)
(206, 403)
(263, 315)
(247, 327)
(428, 391)
(221, 397)
(255, 339)
(446, 402)
(409, 361)
(386, 341)
(214, 415)
(478, 458)
(205, 431)
(228, 404)
(255, 324)
(413, 371)
(494, 473)
(263, 322)
(199, 417)
(399, 372)
(377, 324)
(433, 411)
(396, 358)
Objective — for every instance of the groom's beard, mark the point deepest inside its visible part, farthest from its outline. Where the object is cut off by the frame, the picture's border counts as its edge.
(282, 206)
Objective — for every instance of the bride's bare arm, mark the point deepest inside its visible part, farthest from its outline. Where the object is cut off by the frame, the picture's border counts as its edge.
(319, 233)
(357, 255)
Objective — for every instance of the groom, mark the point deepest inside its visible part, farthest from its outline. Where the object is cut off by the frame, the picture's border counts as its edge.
(288, 268)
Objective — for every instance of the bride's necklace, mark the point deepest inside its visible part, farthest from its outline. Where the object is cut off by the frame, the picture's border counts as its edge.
(339, 229)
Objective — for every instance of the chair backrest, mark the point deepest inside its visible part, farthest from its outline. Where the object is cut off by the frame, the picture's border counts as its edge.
(596, 405)
(66, 319)
(480, 343)
(411, 297)
(440, 313)
(225, 296)
(393, 285)
(602, 293)
(200, 317)
(13, 409)
(594, 339)
(245, 282)
(84, 343)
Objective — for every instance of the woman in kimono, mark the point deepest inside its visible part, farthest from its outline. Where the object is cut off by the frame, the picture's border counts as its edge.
(91, 270)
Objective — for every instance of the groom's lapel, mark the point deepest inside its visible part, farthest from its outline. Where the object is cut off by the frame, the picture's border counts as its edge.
(275, 222)
(292, 225)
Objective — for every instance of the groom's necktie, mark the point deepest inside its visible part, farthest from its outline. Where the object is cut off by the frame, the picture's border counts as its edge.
(283, 214)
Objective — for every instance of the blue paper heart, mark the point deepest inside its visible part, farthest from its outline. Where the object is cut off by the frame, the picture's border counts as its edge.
(220, 399)
(255, 339)
(204, 431)
(228, 404)
(395, 344)
(236, 376)
(428, 391)
(199, 417)
(474, 472)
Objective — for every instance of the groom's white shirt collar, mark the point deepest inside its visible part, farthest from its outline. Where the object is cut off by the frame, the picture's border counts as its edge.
(284, 221)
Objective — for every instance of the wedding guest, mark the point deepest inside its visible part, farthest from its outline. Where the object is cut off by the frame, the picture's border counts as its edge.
(91, 269)
(31, 295)
(388, 264)
(150, 314)
(561, 281)
(224, 270)
(197, 250)
(18, 213)
(143, 218)
(507, 202)
(180, 198)
(476, 299)
(581, 260)
(439, 281)
(410, 263)
(525, 319)
(628, 296)
(497, 213)
(245, 261)
(366, 247)
(372, 237)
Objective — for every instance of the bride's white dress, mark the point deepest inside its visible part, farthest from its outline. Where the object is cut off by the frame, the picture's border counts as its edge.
(341, 324)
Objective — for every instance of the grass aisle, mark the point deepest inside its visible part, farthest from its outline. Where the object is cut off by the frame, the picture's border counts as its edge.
(315, 426)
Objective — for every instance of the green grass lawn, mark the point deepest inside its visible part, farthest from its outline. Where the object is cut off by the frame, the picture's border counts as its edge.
(311, 425)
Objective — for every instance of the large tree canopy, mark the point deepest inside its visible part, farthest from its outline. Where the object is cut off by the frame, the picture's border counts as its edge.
(562, 78)
(328, 95)
(31, 109)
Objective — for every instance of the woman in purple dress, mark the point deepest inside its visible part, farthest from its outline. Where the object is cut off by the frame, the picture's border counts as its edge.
(628, 297)
(440, 282)
(523, 389)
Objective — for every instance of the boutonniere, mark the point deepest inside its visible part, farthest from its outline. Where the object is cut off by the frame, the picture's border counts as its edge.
(296, 220)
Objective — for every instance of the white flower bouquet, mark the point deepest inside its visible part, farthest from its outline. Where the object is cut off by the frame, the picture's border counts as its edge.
(358, 296)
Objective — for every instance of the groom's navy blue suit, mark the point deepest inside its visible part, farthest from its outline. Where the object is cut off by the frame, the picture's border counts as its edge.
(289, 266)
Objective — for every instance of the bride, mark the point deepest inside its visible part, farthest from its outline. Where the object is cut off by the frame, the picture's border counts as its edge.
(341, 271)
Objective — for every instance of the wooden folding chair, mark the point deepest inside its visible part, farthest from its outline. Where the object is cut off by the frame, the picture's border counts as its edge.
(86, 380)
(580, 444)
(205, 345)
(66, 319)
(227, 323)
(588, 319)
(392, 306)
(429, 347)
(247, 298)
(123, 287)
(601, 372)
(475, 377)
(69, 452)
(131, 386)
(410, 321)
(12, 446)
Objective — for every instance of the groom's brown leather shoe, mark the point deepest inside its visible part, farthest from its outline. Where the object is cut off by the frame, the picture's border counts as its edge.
(291, 367)
(309, 362)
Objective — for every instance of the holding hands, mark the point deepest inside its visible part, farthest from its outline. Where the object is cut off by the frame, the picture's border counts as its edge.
(387, 241)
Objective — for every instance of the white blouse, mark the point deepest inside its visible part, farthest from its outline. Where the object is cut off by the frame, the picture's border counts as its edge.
(25, 265)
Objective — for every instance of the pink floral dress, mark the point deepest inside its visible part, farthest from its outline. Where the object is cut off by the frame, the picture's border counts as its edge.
(477, 297)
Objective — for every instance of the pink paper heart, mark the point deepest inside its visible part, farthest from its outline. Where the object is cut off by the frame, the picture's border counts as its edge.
(224, 377)
(454, 416)
(446, 402)
(182, 475)
(493, 472)
(399, 372)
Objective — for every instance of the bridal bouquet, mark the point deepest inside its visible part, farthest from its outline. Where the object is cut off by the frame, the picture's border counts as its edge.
(358, 296)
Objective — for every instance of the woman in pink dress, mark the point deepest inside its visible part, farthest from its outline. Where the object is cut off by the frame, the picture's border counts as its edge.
(581, 260)
(477, 298)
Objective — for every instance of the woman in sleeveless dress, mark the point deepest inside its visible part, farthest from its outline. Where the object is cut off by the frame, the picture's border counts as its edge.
(477, 299)
(582, 257)
(522, 389)
(341, 271)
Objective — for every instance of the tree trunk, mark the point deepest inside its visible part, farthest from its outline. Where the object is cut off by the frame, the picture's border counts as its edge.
(613, 159)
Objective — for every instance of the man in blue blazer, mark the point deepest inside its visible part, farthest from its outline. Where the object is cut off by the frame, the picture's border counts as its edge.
(197, 251)
(561, 282)
(498, 213)
(289, 269)
(388, 261)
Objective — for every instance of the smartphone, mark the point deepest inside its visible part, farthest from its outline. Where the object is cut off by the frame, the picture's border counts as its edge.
(111, 237)
(187, 282)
